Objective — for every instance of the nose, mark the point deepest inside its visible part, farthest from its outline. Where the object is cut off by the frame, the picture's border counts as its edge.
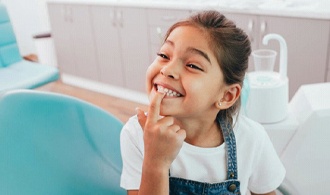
(170, 70)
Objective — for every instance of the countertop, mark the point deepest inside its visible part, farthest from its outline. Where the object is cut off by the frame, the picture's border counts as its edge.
(314, 9)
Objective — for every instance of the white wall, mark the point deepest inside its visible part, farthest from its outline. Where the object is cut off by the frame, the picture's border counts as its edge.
(28, 18)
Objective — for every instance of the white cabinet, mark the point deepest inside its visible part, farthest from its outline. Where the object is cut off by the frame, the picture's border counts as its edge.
(121, 37)
(307, 41)
(134, 46)
(159, 20)
(108, 44)
(107, 40)
(74, 40)
(115, 44)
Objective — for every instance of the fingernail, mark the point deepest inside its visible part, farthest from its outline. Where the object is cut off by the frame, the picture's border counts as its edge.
(137, 109)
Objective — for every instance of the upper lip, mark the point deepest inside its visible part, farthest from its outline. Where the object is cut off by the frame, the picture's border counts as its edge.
(168, 87)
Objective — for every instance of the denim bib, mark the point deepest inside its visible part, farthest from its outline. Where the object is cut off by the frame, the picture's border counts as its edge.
(180, 186)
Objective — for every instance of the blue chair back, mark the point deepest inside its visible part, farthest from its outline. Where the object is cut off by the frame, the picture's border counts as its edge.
(9, 52)
(56, 144)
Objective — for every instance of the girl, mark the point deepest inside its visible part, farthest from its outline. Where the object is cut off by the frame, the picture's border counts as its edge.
(192, 141)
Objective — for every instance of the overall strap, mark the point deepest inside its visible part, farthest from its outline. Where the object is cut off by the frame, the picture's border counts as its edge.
(230, 142)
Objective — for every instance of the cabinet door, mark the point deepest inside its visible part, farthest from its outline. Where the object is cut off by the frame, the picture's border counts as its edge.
(328, 70)
(307, 42)
(159, 20)
(250, 25)
(83, 43)
(73, 38)
(62, 36)
(132, 25)
(108, 48)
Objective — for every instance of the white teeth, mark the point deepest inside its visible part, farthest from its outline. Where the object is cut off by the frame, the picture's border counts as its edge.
(160, 89)
(168, 92)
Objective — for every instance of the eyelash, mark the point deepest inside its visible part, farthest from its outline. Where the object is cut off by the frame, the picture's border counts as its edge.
(194, 67)
(188, 65)
(162, 55)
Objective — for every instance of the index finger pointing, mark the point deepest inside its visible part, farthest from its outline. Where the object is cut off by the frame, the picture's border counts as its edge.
(154, 108)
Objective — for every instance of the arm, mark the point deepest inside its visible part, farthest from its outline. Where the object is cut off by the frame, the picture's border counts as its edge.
(162, 142)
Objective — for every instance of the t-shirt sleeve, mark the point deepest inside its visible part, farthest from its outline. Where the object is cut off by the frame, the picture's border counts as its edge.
(268, 172)
(131, 143)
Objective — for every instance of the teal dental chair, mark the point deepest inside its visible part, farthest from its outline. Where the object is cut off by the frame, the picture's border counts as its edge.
(16, 73)
(56, 144)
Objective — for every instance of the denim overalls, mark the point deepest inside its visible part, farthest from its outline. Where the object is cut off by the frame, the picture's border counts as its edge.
(179, 186)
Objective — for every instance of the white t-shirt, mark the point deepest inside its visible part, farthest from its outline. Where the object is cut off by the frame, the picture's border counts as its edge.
(259, 168)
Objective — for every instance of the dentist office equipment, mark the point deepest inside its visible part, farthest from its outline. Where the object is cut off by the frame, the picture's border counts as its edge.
(299, 128)
(268, 90)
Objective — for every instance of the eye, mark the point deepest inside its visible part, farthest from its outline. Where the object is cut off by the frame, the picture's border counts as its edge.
(194, 67)
(162, 55)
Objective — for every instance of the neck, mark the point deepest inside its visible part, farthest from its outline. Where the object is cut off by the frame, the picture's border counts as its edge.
(201, 132)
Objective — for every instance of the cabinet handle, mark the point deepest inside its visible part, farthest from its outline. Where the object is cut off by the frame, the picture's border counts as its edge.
(64, 14)
(250, 30)
(70, 14)
(113, 19)
(67, 12)
(159, 33)
(119, 16)
(263, 28)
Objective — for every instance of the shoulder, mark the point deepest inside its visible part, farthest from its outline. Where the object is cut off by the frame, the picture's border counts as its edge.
(132, 132)
(249, 128)
(251, 137)
(132, 125)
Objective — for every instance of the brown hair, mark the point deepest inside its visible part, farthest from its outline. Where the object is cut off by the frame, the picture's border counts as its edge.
(230, 45)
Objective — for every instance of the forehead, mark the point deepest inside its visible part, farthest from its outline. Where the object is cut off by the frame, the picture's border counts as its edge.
(190, 36)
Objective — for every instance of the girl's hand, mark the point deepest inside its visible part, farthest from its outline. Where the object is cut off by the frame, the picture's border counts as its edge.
(162, 138)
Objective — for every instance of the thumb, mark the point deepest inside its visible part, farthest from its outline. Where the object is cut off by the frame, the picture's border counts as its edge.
(142, 118)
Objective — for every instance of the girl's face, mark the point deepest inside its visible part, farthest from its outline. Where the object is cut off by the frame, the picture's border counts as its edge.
(188, 71)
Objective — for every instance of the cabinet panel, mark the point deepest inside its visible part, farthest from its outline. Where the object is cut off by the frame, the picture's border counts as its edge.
(73, 38)
(166, 17)
(156, 38)
(61, 33)
(156, 34)
(307, 42)
(133, 30)
(83, 43)
(159, 21)
(107, 40)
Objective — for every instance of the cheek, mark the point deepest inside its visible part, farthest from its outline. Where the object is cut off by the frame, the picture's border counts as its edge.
(204, 90)
(152, 71)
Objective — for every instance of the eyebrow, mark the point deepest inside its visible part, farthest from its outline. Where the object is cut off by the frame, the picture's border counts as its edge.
(193, 50)
(201, 53)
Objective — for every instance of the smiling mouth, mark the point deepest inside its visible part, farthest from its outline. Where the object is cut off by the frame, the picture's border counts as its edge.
(168, 92)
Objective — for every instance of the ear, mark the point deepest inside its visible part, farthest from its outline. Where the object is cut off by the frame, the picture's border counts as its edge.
(230, 96)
